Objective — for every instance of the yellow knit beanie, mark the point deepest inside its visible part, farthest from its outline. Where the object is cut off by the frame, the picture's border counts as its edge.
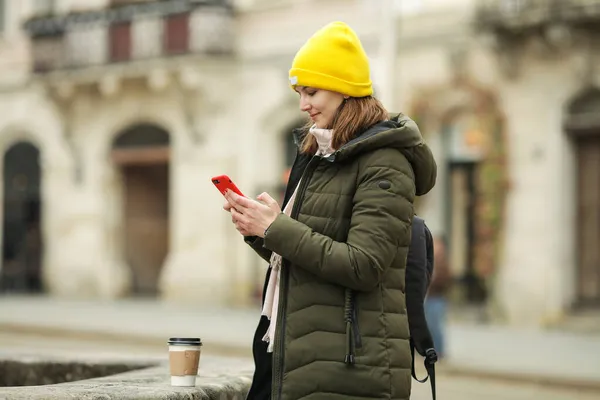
(333, 59)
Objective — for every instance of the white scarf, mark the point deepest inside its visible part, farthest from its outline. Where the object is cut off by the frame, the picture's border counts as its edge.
(271, 304)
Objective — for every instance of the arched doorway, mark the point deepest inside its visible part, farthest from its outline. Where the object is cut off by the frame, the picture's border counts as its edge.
(22, 246)
(142, 154)
(583, 125)
(462, 123)
(463, 143)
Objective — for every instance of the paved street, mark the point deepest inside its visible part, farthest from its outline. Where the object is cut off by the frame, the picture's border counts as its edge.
(454, 388)
(449, 387)
(551, 356)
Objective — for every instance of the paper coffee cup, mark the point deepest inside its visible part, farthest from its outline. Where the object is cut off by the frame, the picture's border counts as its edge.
(184, 358)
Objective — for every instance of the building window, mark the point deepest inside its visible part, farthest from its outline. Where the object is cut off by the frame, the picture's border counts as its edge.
(177, 33)
(120, 41)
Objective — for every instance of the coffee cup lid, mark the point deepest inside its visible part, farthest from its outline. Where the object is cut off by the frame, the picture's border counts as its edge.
(174, 341)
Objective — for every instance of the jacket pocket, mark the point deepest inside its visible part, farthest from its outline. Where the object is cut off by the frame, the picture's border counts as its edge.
(355, 328)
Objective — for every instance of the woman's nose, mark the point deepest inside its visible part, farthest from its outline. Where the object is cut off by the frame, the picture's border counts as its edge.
(304, 105)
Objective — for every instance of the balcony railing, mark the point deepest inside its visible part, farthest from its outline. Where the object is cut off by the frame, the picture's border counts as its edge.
(133, 32)
(519, 15)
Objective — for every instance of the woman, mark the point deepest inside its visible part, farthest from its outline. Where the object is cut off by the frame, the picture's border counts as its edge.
(334, 321)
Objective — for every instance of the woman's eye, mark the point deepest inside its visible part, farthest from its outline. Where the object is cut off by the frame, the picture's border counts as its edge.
(311, 93)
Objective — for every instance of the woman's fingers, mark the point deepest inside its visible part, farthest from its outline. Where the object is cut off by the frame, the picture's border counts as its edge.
(243, 231)
(251, 216)
(240, 226)
(238, 218)
(238, 201)
(235, 214)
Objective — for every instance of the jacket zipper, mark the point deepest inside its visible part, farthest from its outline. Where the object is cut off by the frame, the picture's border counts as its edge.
(279, 345)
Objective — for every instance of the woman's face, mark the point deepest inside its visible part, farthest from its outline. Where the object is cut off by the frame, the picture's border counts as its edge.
(321, 105)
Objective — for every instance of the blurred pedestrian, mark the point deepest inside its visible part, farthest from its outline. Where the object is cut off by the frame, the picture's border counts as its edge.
(436, 302)
(333, 322)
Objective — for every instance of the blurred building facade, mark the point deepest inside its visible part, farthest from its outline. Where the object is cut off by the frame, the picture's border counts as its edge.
(114, 117)
(545, 56)
(117, 113)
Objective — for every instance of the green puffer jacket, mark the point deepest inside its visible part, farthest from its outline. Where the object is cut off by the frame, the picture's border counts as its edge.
(342, 329)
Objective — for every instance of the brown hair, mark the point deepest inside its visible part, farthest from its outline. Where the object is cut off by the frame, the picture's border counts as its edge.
(354, 115)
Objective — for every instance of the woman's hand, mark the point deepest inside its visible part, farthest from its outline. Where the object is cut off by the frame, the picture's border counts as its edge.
(251, 217)
(228, 207)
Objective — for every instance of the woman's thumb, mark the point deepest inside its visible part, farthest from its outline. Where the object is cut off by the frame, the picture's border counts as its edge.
(267, 199)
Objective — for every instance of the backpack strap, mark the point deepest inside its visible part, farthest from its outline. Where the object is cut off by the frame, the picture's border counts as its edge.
(429, 250)
(429, 362)
(417, 282)
(419, 269)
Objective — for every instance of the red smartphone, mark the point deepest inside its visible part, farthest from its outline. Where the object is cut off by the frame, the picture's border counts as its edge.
(223, 182)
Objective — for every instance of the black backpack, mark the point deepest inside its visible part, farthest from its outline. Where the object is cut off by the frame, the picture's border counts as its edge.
(419, 270)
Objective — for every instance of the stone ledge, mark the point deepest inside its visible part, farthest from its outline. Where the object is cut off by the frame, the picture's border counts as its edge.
(147, 384)
(33, 372)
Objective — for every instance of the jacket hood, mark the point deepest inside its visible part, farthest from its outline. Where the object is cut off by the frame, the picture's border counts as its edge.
(399, 132)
